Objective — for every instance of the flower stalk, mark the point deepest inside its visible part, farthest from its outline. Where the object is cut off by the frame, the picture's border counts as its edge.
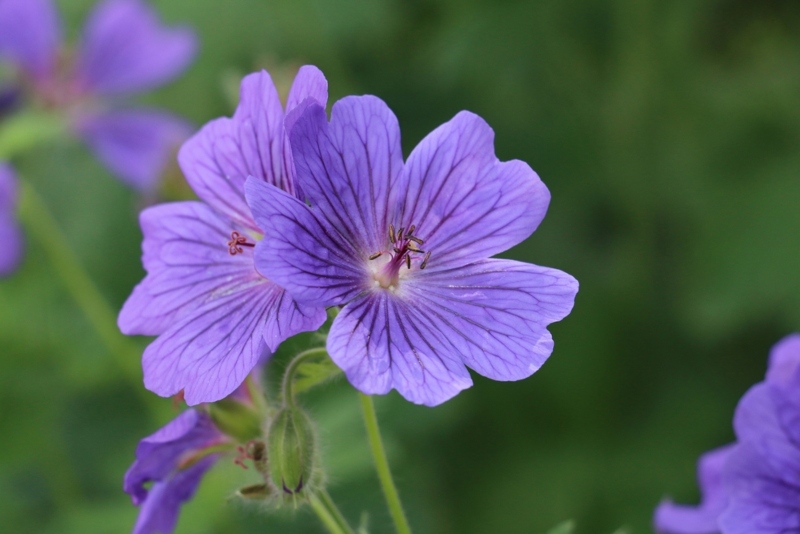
(382, 466)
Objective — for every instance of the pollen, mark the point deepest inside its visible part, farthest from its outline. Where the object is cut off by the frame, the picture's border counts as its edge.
(400, 256)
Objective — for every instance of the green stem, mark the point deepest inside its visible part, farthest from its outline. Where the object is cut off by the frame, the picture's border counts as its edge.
(382, 466)
(326, 516)
(102, 317)
(288, 374)
(326, 499)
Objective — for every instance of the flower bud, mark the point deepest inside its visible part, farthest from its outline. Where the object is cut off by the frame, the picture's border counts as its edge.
(291, 450)
(255, 492)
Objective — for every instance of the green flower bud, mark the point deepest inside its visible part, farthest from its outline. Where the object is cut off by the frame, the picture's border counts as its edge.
(291, 450)
(235, 419)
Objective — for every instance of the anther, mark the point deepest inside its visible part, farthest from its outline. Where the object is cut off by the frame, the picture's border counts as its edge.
(408, 261)
(415, 239)
(237, 242)
(413, 247)
(425, 261)
(375, 256)
(411, 230)
(400, 233)
(391, 233)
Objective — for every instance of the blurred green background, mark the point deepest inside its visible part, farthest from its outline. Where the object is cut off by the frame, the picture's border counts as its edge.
(668, 134)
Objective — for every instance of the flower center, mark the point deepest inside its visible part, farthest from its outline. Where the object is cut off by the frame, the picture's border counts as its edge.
(403, 251)
(237, 242)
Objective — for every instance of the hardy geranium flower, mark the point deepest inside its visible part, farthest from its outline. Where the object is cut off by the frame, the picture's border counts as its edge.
(404, 247)
(753, 485)
(175, 458)
(215, 314)
(124, 50)
(10, 235)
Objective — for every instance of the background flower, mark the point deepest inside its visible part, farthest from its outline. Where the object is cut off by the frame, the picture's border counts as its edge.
(10, 234)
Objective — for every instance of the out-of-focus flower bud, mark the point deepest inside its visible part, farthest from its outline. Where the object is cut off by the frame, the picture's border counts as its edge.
(235, 419)
(291, 450)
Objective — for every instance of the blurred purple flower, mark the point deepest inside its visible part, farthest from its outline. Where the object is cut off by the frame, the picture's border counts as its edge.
(404, 248)
(752, 486)
(10, 233)
(175, 458)
(214, 313)
(124, 50)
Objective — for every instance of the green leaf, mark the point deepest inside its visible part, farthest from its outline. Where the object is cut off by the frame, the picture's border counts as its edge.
(25, 130)
(313, 372)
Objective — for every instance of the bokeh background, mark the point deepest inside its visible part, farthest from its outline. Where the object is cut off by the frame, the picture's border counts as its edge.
(668, 134)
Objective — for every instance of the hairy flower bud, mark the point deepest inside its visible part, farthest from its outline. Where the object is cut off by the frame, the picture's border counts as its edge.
(291, 450)
(235, 419)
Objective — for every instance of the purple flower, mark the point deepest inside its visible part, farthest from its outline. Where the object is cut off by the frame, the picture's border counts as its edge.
(215, 314)
(404, 247)
(10, 234)
(753, 485)
(175, 459)
(124, 50)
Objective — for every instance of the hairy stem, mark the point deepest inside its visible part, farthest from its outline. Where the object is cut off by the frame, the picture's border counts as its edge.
(328, 516)
(288, 375)
(382, 466)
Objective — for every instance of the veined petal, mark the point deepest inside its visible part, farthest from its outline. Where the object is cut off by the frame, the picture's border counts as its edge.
(136, 144)
(10, 233)
(762, 499)
(158, 455)
(465, 203)
(210, 351)
(350, 170)
(186, 255)
(159, 512)
(381, 343)
(301, 253)
(30, 35)
(671, 518)
(126, 48)
(219, 158)
(494, 313)
(308, 83)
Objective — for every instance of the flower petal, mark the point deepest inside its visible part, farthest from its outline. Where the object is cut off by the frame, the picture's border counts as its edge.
(158, 455)
(185, 253)
(381, 342)
(10, 233)
(762, 501)
(136, 144)
(350, 169)
(494, 313)
(465, 203)
(308, 83)
(159, 512)
(210, 351)
(671, 518)
(301, 253)
(30, 35)
(126, 49)
(784, 359)
(219, 158)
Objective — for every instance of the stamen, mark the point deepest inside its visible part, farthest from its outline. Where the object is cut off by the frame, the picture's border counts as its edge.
(411, 230)
(408, 261)
(400, 233)
(376, 255)
(425, 261)
(237, 242)
(391, 233)
(415, 239)
(413, 247)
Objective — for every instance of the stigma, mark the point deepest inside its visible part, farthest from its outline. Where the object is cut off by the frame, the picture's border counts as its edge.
(237, 242)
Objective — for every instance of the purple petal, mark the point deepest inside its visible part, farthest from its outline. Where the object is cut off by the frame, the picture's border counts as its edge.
(126, 49)
(209, 352)
(493, 313)
(465, 203)
(135, 144)
(762, 500)
(308, 83)
(301, 253)
(784, 359)
(673, 518)
(219, 158)
(350, 170)
(159, 512)
(30, 35)
(381, 342)
(186, 255)
(159, 454)
(10, 233)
